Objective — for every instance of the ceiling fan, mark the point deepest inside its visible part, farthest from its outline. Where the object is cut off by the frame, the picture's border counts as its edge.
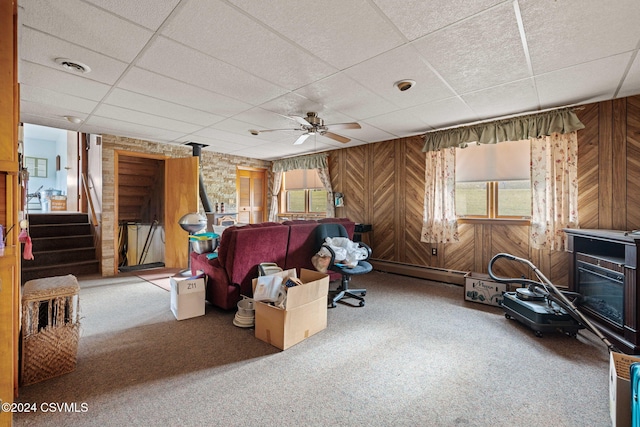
(314, 125)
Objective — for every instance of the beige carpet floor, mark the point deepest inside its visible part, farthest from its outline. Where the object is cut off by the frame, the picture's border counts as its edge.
(160, 277)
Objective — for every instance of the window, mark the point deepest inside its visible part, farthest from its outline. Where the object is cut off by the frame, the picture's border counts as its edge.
(304, 192)
(37, 167)
(493, 180)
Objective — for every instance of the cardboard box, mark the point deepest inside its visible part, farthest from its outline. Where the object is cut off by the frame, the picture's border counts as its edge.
(305, 311)
(58, 203)
(480, 288)
(620, 388)
(187, 297)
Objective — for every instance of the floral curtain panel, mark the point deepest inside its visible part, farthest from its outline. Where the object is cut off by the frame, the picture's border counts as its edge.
(439, 224)
(514, 129)
(554, 188)
(276, 186)
(326, 181)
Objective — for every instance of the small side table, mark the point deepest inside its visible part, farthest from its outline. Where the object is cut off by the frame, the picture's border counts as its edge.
(361, 233)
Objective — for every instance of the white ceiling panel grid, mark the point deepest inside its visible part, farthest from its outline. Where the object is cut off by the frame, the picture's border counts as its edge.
(184, 70)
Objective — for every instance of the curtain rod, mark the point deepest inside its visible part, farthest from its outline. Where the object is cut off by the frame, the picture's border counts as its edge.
(573, 107)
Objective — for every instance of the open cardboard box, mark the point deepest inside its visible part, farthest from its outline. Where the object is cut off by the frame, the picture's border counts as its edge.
(305, 311)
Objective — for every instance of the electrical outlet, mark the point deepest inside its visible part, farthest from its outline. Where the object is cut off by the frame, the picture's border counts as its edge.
(434, 251)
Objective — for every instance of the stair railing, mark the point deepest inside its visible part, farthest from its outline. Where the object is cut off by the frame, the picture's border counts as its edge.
(85, 188)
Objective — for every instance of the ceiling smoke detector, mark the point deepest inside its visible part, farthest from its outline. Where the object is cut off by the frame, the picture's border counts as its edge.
(404, 85)
(71, 65)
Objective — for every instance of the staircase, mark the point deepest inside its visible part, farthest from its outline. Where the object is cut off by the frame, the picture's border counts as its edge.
(62, 244)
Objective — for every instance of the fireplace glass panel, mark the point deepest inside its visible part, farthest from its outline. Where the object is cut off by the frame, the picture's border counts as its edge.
(602, 291)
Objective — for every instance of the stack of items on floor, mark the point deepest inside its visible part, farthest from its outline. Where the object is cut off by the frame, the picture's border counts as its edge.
(289, 309)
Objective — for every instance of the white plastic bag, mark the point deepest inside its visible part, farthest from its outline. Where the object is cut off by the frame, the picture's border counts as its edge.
(347, 252)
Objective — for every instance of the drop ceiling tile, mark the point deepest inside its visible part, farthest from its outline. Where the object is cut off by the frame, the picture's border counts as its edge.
(132, 130)
(61, 100)
(631, 84)
(570, 32)
(157, 86)
(293, 104)
(174, 60)
(226, 136)
(369, 132)
(503, 100)
(158, 107)
(418, 18)
(259, 118)
(343, 33)
(476, 53)
(264, 53)
(54, 122)
(87, 26)
(343, 94)
(593, 81)
(380, 73)
(448, 112)
(148, 13)
(132, 116)
(42, 49)
(47, 111)
(61, 81)
(395, 124)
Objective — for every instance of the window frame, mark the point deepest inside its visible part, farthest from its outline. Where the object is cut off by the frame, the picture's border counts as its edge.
(492, 200)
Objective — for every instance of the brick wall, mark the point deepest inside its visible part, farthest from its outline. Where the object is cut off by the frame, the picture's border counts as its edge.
(218, 174)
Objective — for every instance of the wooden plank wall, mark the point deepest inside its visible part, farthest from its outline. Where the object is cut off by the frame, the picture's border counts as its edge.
(383, 184)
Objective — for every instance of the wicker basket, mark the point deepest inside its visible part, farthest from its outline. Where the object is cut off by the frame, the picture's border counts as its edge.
(50, 328)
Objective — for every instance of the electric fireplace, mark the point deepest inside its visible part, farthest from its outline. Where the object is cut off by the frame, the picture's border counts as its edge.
(602, 269)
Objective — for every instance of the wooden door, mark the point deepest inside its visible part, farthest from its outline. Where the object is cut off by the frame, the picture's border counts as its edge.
(251, 185)
(73, 171)
(181, 197)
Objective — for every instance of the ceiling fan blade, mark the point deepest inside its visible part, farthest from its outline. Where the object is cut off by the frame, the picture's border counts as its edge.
(301, 138)
(256, 132)
(353, 125)
(335, 136)
(301, 120)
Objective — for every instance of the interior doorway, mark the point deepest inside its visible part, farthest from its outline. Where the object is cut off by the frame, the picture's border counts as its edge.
(251, 185)
(152, 193)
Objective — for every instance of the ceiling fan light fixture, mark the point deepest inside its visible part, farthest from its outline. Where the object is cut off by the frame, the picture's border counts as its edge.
(404, 85)
(73, 119)
(72, 65)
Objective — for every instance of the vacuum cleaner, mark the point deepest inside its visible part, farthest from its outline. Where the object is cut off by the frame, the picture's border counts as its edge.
(541, 306)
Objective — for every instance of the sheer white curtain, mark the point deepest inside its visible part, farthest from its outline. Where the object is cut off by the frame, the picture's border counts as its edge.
(554, 189)
(276, 185)
(439, 224)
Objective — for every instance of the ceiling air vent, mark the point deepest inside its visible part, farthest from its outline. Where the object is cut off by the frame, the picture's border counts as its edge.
(71, 65)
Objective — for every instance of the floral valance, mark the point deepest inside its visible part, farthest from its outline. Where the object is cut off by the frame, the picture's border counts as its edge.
(514, 129)
(313, 161)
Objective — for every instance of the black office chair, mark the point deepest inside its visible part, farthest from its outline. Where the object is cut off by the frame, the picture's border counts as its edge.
(325, 230)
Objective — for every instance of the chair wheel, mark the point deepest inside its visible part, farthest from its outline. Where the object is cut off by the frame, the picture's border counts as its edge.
(362, 303)
(332, 305)
(364, 294)
(507, 316)
(538, 334)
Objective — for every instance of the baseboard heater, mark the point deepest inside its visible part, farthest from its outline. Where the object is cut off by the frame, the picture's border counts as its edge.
(422, 272)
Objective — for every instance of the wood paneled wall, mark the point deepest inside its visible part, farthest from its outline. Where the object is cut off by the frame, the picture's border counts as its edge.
(383, 184)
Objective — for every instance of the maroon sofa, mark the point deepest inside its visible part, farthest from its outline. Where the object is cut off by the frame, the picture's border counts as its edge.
(242, 248)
